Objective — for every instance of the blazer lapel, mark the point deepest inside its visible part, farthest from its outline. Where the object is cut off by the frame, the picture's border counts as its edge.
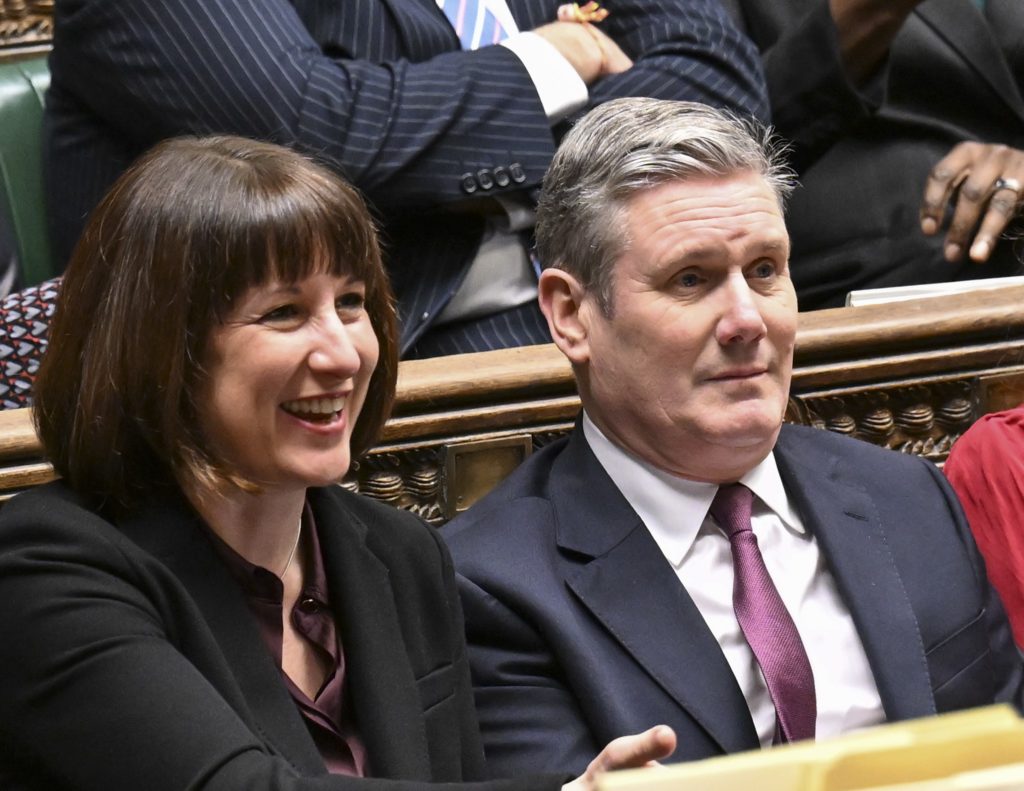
(843, 518)
(171, 531)
(965, 30)
(629, 586)
(379, 678)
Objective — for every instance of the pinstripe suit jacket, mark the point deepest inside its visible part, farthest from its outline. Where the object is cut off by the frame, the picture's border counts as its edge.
(380, 88)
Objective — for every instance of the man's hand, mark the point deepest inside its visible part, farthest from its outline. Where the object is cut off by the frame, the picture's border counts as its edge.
(627, 752)
(589, 50)
(970, 176)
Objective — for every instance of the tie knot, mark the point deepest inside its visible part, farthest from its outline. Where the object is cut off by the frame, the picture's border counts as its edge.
(731, 508)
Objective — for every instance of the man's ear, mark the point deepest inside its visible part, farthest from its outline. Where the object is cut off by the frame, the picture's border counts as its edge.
(562, 300)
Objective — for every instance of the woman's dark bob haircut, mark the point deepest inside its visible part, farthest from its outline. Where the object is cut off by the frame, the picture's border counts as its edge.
(181, 235)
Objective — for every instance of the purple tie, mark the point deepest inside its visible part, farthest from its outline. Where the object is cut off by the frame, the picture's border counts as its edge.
(764, 619)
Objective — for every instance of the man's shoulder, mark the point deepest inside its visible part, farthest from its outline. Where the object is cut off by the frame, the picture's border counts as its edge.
(809, 457)
(850, 450)
(523, 499)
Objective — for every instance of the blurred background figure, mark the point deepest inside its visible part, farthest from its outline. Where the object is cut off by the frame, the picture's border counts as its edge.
(907, 125)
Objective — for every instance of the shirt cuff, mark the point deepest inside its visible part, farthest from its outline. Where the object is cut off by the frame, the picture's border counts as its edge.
(559, 87)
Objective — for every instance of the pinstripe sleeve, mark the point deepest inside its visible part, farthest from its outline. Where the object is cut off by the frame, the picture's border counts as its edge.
(403, 131)
(378, 87)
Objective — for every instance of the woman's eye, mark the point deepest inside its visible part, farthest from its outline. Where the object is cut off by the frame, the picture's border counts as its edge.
(350, 303)
(281, 314)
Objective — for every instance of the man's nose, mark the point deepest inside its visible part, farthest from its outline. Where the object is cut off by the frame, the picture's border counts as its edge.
(740, 320)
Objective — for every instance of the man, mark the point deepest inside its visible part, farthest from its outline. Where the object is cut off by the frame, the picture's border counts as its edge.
(907, 124)
(446, 134)
(598, 580)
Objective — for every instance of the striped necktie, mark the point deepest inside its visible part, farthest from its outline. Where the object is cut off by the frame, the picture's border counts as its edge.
(474, 22)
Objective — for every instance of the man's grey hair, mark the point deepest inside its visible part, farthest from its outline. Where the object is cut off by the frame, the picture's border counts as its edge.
(626, 146)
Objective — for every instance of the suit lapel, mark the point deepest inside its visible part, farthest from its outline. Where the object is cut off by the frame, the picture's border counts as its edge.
(844, 520)
(379, 678)
(965, 30)
(171, 531)
(629, 586)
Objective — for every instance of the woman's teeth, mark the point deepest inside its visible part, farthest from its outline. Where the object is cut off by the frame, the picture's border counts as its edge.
(315, 408)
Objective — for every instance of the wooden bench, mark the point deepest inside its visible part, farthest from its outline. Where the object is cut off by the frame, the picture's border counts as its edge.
(911, 376)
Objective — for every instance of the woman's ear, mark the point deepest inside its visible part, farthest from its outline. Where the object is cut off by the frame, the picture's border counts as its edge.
(562, 299)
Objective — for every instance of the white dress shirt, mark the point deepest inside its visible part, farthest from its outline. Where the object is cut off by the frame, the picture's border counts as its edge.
(675, 511)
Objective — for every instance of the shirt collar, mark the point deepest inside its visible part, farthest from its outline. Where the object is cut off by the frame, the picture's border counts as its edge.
(673, 508)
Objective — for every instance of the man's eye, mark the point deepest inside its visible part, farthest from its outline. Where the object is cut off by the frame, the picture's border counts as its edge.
(765, 269)
(689, 280)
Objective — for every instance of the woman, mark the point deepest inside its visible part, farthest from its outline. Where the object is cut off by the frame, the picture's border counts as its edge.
(193, 606)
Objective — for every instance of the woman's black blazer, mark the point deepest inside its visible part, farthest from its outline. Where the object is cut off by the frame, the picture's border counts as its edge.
(129, 658)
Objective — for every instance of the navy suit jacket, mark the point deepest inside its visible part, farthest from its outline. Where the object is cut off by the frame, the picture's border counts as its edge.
(579, 630)
(131, 659)
(863, 154)
(380, 88)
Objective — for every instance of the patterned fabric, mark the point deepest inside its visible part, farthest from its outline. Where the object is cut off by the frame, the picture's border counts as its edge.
(765, 621)
(24, 326)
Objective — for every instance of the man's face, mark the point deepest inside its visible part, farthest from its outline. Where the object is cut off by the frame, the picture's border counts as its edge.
(691, 373)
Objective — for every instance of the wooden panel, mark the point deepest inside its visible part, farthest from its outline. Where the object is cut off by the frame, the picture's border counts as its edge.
(472, 469)
(26, 28)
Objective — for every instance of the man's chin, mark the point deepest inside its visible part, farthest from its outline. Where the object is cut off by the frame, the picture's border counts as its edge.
(747, 434)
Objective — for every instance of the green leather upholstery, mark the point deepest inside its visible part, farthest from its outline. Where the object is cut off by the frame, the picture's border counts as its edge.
(22, 87)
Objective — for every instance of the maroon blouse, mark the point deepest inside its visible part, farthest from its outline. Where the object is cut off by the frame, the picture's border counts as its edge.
(328, 716)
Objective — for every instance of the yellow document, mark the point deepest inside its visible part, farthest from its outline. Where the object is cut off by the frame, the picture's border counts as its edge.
(895, 756)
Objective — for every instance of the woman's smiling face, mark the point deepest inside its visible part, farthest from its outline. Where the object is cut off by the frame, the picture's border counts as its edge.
(286, 375)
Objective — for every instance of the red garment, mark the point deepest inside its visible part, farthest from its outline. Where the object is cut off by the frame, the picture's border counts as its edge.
(986, 468)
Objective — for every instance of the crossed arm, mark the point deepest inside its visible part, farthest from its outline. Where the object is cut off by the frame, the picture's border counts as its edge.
(401, 118)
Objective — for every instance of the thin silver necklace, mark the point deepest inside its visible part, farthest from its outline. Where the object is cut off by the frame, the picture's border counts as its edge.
(291, 555)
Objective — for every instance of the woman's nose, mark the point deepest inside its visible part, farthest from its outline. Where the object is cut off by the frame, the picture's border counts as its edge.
(333, 349)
